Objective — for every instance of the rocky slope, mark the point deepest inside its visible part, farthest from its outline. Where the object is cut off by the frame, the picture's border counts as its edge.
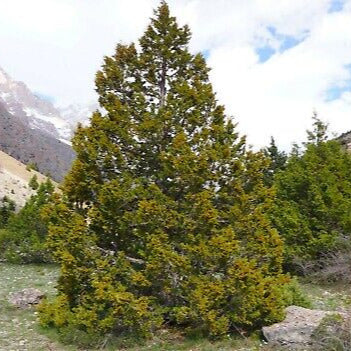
(14, 179)
(32, 145)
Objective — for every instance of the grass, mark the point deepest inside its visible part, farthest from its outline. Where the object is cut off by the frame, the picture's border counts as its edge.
(19, 329)
(170, 341)
(333, 297)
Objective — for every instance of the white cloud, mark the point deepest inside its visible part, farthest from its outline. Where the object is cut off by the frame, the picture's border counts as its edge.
(57, 45)
(42, 19)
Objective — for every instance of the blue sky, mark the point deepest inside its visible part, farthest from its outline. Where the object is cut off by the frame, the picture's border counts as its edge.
(336, 6)
(286, 42)
(273, 62)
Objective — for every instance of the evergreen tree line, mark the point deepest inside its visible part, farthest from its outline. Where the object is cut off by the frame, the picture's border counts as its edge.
(312, 209)
(167, 218)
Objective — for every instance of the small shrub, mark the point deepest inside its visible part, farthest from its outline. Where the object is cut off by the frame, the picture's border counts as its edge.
(334, 267)
(19, 250)
(331, 267)
(293, 295)
(31, 166)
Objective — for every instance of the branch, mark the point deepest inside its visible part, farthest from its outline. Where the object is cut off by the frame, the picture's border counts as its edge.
(128, 258)
(135, 260)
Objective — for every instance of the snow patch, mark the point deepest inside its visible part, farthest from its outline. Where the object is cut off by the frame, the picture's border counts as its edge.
(62, 127)
(65, 141)
(3, 77)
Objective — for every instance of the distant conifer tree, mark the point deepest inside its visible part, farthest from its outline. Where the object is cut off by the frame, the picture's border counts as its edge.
(33, 182)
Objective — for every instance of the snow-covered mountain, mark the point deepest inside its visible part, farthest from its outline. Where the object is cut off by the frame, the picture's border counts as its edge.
(34, 111)
(75, 113)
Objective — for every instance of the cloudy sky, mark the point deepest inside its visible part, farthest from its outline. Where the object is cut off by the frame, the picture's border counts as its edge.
(273, 62)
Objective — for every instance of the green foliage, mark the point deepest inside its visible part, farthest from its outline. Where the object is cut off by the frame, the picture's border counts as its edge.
(32, 166)
(33, 182)
(313, 211)
(163, 217)
(23, 240)
(7, 209)
(277, 161)
(294, 296)
(319, 133)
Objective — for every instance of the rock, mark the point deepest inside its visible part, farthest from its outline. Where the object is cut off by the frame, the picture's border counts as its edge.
(26, 298)
(296, 329)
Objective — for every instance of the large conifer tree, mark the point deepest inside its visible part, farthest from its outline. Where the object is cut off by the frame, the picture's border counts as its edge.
(163, 213)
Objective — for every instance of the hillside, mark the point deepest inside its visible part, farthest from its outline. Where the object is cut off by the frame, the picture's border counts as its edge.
(14, 178)
(28, 145)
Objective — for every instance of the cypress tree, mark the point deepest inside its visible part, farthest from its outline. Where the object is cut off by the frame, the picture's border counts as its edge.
(163, 214)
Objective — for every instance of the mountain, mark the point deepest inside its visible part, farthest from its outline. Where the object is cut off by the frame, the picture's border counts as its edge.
(33, 130)
(75, 113)
(14, 179)
(35, 112)
(33, 145)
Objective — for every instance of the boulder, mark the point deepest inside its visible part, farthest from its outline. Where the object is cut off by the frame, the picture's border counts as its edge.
(295, 331)
(26, 298)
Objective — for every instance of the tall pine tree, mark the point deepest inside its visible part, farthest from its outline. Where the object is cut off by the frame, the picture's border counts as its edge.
(163, 215)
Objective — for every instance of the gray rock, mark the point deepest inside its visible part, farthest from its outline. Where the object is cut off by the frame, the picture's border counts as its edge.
(26, 298)
(295, 331)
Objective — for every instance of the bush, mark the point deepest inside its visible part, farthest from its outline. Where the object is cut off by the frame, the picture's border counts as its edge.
(294, 296)
(23, 239)
(32, 167)
(334, 267)
(21, 250)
